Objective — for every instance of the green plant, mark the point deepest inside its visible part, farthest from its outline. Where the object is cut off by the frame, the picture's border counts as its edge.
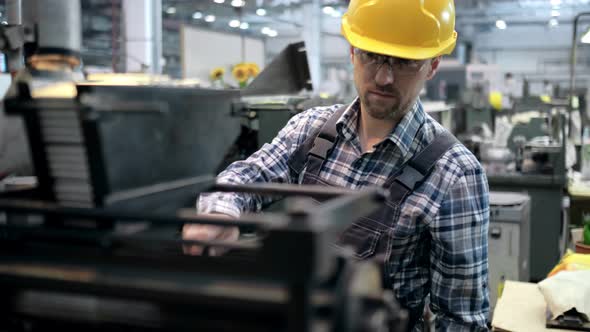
(587, 233)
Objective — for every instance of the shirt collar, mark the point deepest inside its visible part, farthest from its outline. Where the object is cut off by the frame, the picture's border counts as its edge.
(403, 134)
(347, 125)
(406, 131)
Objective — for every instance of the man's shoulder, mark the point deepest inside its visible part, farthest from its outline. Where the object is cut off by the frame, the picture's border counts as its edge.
(463, 158)
(458, 155)
(308, 123)
(316, 117)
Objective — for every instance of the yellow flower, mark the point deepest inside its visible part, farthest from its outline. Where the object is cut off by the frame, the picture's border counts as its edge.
(240, 72)
(217, 73)
(253, 69)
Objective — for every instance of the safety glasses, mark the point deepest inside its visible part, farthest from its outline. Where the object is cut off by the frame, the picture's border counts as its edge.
(373, 62)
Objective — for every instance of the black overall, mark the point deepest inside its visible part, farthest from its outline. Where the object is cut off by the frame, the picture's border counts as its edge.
(373, 236)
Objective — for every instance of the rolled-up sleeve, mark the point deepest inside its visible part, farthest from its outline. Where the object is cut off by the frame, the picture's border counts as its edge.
(459, 257)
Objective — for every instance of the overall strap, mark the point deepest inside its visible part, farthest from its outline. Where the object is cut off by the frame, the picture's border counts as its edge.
(316, 148)
(419, 167)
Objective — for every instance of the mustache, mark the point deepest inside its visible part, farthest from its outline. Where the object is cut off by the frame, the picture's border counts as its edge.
(386, 89)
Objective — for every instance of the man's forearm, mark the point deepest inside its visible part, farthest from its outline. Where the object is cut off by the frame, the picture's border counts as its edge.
(231, 204)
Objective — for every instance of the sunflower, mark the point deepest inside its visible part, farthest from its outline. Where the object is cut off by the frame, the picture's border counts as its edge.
(240, 72)
(253, 69)
(217, 74)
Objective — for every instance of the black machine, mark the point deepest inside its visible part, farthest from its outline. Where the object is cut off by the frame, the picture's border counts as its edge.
(96, 245)
(111, 145)
(98, 149)
(271, 100)
(135, 277)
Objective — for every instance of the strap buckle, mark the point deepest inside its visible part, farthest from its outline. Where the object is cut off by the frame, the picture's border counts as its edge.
(321, 148)
(410, 177)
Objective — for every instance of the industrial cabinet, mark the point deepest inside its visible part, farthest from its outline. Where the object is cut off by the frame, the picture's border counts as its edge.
(508, 240)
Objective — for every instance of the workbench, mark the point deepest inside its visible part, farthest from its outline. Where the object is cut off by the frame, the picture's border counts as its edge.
(522, 308)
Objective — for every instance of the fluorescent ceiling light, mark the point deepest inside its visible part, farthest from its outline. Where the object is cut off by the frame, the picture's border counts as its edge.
(586, 37)
(336, 13)
(244, 25)
(238, 3)
(553, 22)
(328, 10)
(501, 24)
(171, 10)
(219, 1)
(555, 2)
(555, 13)
(210, 18)
(234, 23)
(260, 11)
(269, 32)
(197, 15)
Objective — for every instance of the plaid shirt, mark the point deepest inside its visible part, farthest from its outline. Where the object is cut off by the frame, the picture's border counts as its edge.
(451, 206)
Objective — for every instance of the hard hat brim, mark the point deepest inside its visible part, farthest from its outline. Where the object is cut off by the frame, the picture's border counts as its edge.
(400, 51)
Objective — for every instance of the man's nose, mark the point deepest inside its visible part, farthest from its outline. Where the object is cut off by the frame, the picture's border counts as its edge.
(384, 75)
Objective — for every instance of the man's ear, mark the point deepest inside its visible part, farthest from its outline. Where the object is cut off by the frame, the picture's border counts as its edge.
(352, 54)
(434, 63)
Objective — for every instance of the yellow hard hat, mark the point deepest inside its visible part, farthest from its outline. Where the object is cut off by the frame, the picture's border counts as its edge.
(411, 29)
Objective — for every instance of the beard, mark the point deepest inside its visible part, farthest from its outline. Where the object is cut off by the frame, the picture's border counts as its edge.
(384, 108)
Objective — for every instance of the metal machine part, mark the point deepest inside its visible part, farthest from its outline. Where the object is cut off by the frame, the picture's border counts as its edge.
(495, 160)
(61, 23)
(271, 100)
(53, 37)
(288, 73)
(90, 151)
(55, 27)
(49, 45)
(264, 116)
(541, 157)
(12, 36)
(290, 279)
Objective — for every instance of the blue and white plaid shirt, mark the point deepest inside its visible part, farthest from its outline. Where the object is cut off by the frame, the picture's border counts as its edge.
(452, 205)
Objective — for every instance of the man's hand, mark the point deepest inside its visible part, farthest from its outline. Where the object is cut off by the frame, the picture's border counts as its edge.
(208, 233)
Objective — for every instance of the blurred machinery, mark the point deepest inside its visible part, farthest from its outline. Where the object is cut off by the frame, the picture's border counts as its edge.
(98, 149)
(95, 244)
(271, 100)
(95, 144)
(467, 88)
(12, 36)
(523, 150)
(453, 78)
(530, 158)
(509, 240)
(42, 42)
(134, 276)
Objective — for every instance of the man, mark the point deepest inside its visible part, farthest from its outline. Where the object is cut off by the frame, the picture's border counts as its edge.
(433, 233)
(547, 88)
(509, 90)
